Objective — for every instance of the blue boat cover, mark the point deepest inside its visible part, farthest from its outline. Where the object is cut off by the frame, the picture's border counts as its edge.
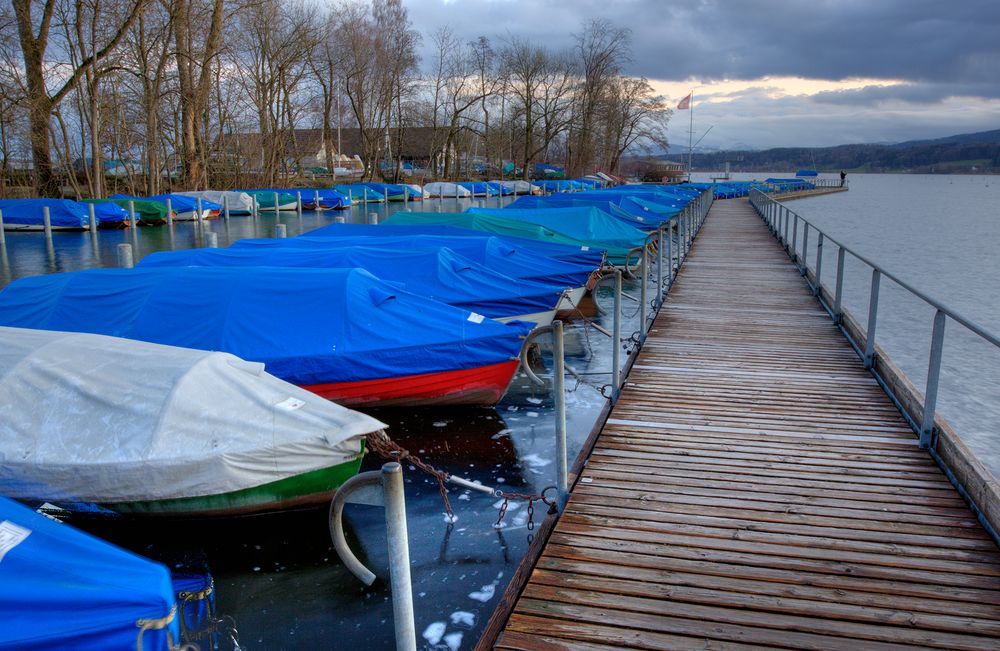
(178, 202)
(61, 588)
(359, 192)
(308, 326)
(564, 252)
(807, 173)
(636, 218)
(392, 189)
(499, 188)
(63, 213)
(438, 273)
(585, 223)
(495, 253)
(328, 199)
(478, 187)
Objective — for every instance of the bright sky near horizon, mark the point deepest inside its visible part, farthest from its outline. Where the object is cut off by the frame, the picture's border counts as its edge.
(777, 73)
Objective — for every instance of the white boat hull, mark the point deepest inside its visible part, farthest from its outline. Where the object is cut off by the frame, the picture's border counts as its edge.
(540, 319)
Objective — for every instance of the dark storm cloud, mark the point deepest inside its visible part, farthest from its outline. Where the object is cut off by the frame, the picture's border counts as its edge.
(914, 93)
(913, 40)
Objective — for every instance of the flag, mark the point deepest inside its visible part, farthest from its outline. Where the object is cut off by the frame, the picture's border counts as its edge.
(686, 102)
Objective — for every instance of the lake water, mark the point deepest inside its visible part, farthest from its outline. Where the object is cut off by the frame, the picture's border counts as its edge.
(278, 577)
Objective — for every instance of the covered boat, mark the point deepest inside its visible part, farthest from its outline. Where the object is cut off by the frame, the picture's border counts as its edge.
(517, 187)
(341, 333)
(584, 223)
(146, 212)
(638, 219)
(271, 200)
(359, 193)
(64, 215)
(144, 428)
(240, 203)
(416, 191)
(445, 190)
(314, 198)
(61, 588)
(185, 208)
(504, 227)
(479, 188)
(496, 253)
(436, 273)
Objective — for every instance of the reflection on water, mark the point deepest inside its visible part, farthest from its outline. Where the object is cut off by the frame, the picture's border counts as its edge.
(277, 576)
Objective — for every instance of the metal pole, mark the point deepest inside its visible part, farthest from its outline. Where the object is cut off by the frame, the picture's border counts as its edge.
(837, 311)
(819, 263)
(399, 557)
(280, 230)
(170, 214)
(3, 235)
(298, 203)
(805, 250)
(225, 207)
(933, 373)
(46, 222)
(643, 298)
(373, 218)
(275, 197)
(199, 208)
(872, 316)
(131, 213)
(558, 387)
(670, 252)
(93, 219)
(659, 266)
(125, 256)
(211, 240)
(316, 205)
(616, 339)
(795, 237)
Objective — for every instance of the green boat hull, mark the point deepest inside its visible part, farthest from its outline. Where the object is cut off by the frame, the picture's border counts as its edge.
(303, 490)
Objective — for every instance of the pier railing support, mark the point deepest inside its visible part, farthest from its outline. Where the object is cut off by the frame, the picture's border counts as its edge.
(383, 488)
(616, 340)
(872, 319)
(933, 376)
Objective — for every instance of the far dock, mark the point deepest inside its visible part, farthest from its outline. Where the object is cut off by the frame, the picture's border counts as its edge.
(756, 487)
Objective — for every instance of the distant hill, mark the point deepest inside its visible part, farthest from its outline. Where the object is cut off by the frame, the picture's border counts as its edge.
(962, 153)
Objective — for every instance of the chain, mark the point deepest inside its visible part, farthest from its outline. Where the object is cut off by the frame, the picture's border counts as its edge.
(389, 450)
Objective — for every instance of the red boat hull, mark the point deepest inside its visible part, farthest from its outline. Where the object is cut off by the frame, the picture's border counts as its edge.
(484, 385)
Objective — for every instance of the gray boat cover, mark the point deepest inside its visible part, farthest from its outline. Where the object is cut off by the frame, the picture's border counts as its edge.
(91, 418)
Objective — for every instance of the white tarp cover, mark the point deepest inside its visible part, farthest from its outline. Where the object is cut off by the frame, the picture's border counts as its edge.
(101, 419)
(415, 190)
(238, 201)
(442, 189)
(520, 186)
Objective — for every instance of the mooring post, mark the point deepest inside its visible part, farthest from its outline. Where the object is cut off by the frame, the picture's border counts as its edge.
(373, 218)
(616, 340)
(933, 374)
(225, 207)
(316, 205)
(280, 230)
(275, 197)
(170, 214)
(399, 557)
(125, 256)
(385, 192)
(47, 223)
(211, 240)
(198, 203)
(3, 235)
(559, 388)
(92, 213)
(298, 203)
(131, 213)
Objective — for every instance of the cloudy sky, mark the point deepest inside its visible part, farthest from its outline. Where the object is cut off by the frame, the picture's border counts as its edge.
(774, 73)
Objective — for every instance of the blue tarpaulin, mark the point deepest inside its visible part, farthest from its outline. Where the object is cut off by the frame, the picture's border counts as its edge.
(328, 199)
(63, 589)
(439, 273)
(308, 326)
(495, 253)
(63, 213)
(585, 223)
(636, 218)
(179, 203)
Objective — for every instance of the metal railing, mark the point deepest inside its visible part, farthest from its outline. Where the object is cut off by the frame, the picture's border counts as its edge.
(785, 225)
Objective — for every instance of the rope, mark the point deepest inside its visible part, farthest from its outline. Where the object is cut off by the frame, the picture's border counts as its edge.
(155, 624)
(392, 451)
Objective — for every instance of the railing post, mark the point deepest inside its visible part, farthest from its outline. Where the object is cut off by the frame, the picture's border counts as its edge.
(805, 250)
(872, 319)
(559, 388)
(3, 235)
(795, 237)
(838, 312)
(643, 296)
(616, 339)
(787, 213)
(819, 263)
(399, 557)
(670, 252)
(659, 266)
(933, 374)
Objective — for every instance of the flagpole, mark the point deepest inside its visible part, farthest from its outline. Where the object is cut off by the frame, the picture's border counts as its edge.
(690, 134)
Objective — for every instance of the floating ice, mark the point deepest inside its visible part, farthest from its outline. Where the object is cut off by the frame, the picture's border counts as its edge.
(463, 618)
(453, 640)
(464, 496)
(532, 414)
(484, 593)
(435, 632)
(535, 401)
(535, 461)
(441, 423)
(450, 519)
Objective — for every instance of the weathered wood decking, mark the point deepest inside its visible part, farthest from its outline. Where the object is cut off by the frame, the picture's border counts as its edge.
(755, 488)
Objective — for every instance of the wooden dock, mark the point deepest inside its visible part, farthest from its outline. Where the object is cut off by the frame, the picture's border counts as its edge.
(755, 488)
